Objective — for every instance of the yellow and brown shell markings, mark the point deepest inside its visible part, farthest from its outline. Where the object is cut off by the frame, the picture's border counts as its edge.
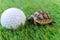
(40, 17)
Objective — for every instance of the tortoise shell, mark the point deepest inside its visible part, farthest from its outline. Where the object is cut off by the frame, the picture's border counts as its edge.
(40, 17)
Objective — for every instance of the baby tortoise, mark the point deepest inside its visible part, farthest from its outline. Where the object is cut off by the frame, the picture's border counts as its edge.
(41, 18)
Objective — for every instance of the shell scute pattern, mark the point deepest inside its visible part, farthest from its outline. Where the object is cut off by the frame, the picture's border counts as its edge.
(41, 17)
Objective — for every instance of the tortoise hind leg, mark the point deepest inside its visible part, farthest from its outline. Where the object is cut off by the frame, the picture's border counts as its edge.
(51, 23)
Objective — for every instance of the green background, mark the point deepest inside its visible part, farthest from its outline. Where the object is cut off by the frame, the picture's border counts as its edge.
(30, 31)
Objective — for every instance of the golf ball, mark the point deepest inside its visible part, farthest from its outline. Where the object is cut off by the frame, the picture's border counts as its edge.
(12, 18)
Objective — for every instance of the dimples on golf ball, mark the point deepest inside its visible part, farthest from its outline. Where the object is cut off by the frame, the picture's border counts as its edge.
(12, 18)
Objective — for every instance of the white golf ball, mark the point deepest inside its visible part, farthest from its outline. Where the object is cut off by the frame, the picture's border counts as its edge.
(12, 18)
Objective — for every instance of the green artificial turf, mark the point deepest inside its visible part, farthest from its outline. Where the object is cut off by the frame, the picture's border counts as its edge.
(30, 31)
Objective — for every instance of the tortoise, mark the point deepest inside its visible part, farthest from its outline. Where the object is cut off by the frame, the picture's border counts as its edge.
(40, 18)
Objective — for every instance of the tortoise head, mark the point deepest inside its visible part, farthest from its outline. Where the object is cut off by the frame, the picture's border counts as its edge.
(31, 20)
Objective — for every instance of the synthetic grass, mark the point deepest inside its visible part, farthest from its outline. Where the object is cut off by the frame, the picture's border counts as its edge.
(30, 31)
